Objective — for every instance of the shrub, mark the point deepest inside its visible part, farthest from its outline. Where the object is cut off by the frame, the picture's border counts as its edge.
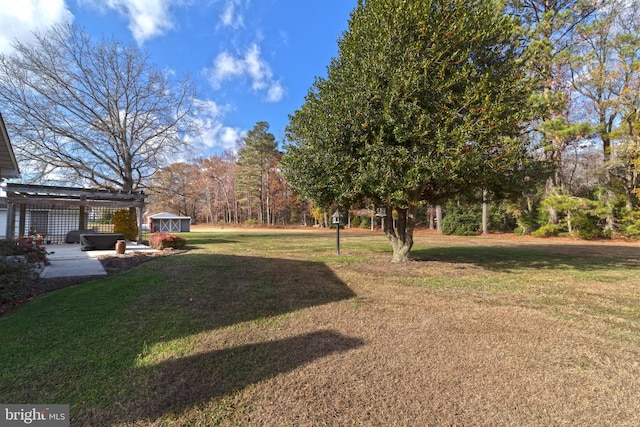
(124, 222)
(461, 221)
(18, 261)
(630, 224)
(166, 240)
(27, 247)
(355, 222)
(106, 217)
(586, 227)
(251, 222)
(15, 277)
(365, 222)
(548, 230)
(521, 231)
(501, 218)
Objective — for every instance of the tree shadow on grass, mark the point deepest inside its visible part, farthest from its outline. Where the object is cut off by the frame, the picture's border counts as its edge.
(506, 259)
(189, 381)
(109, 324)
(206, 292)
(212, 291)
(197, 242)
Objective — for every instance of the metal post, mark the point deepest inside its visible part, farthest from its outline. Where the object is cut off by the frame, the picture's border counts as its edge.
(338, 238)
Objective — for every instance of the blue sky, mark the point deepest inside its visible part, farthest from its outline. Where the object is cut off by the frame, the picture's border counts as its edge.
(253, 60)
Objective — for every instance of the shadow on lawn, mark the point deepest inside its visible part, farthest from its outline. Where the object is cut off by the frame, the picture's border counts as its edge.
(111, 327)
(193, 380)
(578, 257)
(205, 292)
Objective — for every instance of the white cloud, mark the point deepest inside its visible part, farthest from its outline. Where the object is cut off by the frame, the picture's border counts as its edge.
(231, 17)
(147, 18)
(225, 67)
(275, 92)
(213, 134)
(252, 66)
(19, 19)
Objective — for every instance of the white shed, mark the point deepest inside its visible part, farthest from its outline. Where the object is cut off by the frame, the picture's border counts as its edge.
(169, 222)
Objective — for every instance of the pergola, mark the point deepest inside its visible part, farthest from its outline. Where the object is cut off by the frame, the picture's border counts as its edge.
(54, 211)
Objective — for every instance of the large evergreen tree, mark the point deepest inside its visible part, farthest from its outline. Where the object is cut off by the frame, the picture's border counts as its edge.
(424, 101)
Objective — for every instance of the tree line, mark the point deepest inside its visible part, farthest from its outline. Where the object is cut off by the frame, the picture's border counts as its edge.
(541, 128)
(242, 187)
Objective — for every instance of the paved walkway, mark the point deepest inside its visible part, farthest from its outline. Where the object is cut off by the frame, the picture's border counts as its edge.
(67, 260)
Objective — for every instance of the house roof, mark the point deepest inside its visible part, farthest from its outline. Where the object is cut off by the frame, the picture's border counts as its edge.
(8, 164)
(167, 215)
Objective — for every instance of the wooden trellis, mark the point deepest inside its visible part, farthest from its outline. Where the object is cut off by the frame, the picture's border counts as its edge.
(54, 211)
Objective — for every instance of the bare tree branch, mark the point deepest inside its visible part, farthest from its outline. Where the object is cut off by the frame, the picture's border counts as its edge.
(93, 112)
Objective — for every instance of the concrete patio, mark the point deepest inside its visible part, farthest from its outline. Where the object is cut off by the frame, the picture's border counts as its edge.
(67, 260)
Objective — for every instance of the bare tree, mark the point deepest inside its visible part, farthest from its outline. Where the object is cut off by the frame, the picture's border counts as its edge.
(176, 189)
(218, 180)
(92, 112)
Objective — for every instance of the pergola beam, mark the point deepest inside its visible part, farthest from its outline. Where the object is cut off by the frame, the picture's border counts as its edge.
(21, 196)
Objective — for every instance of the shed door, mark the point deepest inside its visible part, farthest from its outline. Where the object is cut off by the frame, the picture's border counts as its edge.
(170, 225)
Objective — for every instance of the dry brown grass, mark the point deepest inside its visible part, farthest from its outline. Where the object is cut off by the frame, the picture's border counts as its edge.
(404, 354)
(475, 331)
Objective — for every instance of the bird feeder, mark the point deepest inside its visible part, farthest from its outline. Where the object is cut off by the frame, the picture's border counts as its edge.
(335, 219)
(381, 212)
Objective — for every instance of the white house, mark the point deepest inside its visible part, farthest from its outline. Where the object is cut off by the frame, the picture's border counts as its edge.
(8, 169)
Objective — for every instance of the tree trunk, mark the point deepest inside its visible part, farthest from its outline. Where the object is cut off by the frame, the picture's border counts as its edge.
(549, 191)
(439, 219)
(630, 182)
(485, 212)
(401, 238)
(432, 223)
(569, 227)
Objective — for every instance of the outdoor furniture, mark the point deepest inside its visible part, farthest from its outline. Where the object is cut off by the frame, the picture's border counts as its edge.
(73, 236)
(91, 242)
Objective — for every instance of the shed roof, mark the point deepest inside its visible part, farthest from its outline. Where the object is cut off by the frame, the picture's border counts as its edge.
(8, 164)
(167, 215)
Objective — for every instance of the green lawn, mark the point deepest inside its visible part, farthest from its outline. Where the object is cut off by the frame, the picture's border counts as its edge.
(261, 327)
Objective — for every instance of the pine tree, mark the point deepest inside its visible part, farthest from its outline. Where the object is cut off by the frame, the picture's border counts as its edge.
(257, 157)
